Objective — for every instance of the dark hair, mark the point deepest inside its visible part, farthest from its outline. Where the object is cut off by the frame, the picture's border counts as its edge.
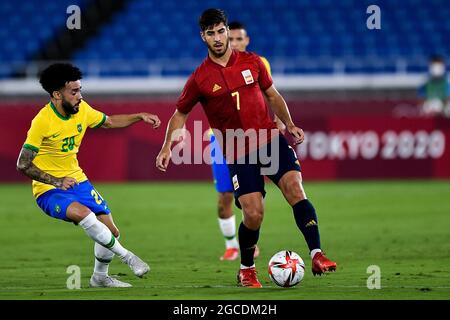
(236, 25)
(212, 17)
(57, 75)
(436, 58)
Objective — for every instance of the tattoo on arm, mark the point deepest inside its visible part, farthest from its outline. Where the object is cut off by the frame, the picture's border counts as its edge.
(26, 166)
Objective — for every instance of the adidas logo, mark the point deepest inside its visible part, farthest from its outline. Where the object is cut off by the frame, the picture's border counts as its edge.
(311, 223)
(216, 87)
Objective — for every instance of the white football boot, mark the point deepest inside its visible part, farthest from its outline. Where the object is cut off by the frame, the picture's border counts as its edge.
(135, 263)
(105, 281)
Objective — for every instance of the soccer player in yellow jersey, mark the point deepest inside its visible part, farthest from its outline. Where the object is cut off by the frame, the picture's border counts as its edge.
(239, 40)
(61, 188)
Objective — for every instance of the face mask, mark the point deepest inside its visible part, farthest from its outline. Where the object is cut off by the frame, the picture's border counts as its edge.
(437, 69)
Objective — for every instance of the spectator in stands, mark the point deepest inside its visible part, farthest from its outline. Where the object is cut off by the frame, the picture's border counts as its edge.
(436, 91)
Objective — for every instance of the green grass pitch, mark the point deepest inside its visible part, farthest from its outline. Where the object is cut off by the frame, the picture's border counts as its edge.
(401, 226)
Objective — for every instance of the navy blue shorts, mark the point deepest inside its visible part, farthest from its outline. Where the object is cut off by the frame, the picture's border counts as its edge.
(55, 202)
(248, 177)
(221, 175)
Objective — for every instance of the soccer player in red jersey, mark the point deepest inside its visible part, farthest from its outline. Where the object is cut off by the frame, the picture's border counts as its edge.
(239, 40)
(230, 85)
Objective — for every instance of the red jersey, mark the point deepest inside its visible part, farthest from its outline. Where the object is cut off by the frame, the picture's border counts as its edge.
(231, 96)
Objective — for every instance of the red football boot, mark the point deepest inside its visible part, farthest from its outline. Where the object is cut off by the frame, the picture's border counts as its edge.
(230, 254)
(247, 278)
(321, 264)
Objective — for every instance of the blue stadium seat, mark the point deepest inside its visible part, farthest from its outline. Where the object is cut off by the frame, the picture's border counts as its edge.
(282, 30)
(26, 28)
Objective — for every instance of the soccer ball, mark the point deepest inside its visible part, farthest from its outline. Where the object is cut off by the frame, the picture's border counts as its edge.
(286, 268)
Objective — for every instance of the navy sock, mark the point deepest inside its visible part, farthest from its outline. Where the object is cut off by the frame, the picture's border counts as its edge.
(247, 241)
(306, 219)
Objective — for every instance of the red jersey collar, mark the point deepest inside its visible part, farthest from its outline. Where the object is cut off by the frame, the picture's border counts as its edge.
(231, 61)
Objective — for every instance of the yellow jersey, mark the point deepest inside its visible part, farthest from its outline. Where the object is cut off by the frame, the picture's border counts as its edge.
(57, 139)
(267, 64)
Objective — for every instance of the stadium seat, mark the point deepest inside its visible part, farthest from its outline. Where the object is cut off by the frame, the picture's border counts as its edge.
(280, 30)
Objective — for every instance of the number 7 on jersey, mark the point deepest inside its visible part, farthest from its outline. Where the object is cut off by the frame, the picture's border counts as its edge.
(238, 103)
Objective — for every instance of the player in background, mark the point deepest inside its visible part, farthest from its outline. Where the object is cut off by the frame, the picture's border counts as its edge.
(239, 105)
(435, 92)
(61, 188)
(239, 40)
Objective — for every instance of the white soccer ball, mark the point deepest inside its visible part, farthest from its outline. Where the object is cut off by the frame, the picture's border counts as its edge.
(286, 268)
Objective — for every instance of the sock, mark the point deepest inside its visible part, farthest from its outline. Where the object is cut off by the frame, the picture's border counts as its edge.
(306, 219)
(103, 258)
(314, 251)
(102, 235)
(228, 228)
(245, 267)
(247, 241)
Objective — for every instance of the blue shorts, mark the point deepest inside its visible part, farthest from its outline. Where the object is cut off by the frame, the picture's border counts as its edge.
(247, 177)
(221, 174)
(55, 202)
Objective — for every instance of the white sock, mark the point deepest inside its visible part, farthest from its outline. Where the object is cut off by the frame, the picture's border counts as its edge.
(102, 235)
(103, 258)
(245, 267)
(314, 251)
(228, 228)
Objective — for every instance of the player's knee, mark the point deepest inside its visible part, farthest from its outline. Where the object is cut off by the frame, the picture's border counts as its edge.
(225, 204)
(253, 217)
(294, 191)
(227, 198)
(77, 212)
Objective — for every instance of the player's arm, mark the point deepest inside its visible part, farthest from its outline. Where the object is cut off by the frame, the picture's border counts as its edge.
(280, 125)
(26, 166)
(280, 108)
(126, 120)
(175, 128)
(175, 125)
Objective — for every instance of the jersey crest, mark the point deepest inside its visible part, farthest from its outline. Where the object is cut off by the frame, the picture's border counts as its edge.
(248, 78)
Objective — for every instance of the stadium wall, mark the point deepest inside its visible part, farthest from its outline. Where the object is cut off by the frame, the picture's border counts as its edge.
(345, 140)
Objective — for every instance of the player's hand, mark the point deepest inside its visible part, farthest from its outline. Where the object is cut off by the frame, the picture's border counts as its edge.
(67, 183)
(297, 133)
(151, 118)
(163, 158)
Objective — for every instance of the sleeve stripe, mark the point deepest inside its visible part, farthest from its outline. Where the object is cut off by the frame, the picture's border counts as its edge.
(101, 122)
(31, 147)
